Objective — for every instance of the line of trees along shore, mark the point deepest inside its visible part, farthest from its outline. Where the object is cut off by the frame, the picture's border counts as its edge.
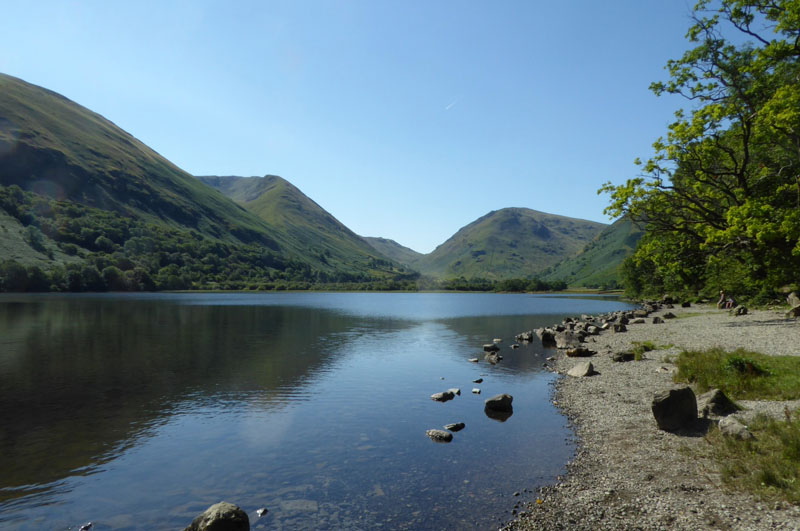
(720, 198)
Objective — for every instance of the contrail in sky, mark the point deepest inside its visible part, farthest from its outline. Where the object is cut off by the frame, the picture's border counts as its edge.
(451, 104)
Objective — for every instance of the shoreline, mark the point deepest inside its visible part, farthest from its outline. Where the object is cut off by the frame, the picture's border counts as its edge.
(628, 474)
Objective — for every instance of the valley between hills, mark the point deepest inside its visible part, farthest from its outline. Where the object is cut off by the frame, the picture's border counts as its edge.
(85, 206)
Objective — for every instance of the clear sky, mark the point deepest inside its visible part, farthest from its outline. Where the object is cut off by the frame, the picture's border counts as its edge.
(404, 119)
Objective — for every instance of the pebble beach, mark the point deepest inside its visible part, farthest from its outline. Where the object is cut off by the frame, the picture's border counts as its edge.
(627, 473)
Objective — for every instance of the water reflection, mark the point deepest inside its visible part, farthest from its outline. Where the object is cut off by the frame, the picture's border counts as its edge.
(143, 410)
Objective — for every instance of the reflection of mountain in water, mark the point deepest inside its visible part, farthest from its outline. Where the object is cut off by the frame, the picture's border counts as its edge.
(82, 379)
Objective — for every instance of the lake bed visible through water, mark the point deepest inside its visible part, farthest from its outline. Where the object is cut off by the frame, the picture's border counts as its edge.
(140, 410)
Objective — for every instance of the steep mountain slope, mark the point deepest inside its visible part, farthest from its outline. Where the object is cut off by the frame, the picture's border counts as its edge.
(86, 206)
(303, 222)
(59, 149)
(597, 265)
(507, 243)
(395, 251)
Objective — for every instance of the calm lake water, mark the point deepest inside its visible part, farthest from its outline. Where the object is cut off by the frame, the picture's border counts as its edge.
(139, 411)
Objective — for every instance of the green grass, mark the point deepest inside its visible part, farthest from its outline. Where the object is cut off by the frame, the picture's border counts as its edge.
(645, 346)
(769, 464)
(741, 374)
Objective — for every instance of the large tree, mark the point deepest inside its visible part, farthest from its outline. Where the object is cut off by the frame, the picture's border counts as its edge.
(721, 196)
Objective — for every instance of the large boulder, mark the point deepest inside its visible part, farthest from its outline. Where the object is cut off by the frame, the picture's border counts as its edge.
(499, 402)
(794, 312)
(222, 516)
(739, 310)
(567, 339)
(715, 403)
(581, 370)
(793, 299)
(675, 409)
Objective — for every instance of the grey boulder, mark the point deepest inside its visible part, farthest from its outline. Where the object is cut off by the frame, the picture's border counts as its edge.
(675, 409)
(222, 516)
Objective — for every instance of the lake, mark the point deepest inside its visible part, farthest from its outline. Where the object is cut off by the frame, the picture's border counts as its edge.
(140, 410)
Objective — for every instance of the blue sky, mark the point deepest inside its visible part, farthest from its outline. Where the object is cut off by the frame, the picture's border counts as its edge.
(404, 119)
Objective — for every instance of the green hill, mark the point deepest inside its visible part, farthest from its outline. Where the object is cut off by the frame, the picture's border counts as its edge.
(86, 206)
(509, 243)
(597, 265)
(306, 226)
(395, 251)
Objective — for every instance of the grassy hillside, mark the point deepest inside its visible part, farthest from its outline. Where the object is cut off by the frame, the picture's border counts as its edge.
(57, 148)
(395, 251)
(509, 243)
(306, 227)
(86, 206)
(597, 265)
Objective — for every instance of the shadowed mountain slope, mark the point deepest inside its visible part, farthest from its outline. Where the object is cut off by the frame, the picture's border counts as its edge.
(394, 250)
(597, 265)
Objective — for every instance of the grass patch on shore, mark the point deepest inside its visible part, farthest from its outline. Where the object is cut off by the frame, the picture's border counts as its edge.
(645, 346)
(767, 465)
(741, 374)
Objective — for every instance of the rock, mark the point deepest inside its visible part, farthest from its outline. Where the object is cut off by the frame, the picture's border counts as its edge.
(493, 358)
(605, 326)
(548, 338)
(675, 409)
(514, 346)
(657, 320)
(623, 320)
(499, 402)
(715, 402)
(730, 427)
(261, 512)
(439, 436)
(567, 339)
(667, 299)
(794, 312)
(490, 347)
(622, 356)
(473, 360)
(618, 328)
(579, 352)
(477, 380)
(444, 396)
(669, 315)
(640, 313)
(456, 426)
(686, 304)
(793, 299)
(476, 391)
(455, 391)
(525, 336)
(638, 321)
(497, 340)
(739, 310)
(592, 330)
(86, 527)
(581, 369)
(222, 516)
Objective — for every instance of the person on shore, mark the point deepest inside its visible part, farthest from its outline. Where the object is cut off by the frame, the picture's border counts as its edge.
(722, 300)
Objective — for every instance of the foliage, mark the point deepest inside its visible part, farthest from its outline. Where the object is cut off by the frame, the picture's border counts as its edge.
(721, 196)
(741, 374)
(767, 465)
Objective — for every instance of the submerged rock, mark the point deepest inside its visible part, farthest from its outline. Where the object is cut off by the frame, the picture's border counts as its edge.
(456, 426)
(222, 516)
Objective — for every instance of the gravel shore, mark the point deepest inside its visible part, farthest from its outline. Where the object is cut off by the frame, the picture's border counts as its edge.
(628, 474)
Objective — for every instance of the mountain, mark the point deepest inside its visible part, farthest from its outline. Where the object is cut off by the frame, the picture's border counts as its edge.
(395, 251)
(305, 226)
(86, 206)
(597, 265)
(54, 147)
(508, 243)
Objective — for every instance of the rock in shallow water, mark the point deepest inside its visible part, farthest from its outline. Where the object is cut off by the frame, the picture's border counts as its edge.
(444, 396)
(456, 426)
(499, 402)
(440, 436)
(222, 516)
